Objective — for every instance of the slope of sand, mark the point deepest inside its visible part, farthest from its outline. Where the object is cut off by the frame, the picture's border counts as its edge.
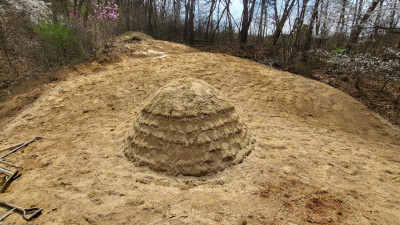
(320, 156)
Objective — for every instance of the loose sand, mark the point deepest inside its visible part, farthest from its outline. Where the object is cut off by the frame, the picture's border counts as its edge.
(320, 156)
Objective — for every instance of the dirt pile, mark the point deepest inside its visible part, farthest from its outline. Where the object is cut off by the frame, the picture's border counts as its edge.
(321, 157)
(188, 127)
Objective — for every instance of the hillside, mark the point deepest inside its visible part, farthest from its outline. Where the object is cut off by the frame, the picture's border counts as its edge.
(320, 155)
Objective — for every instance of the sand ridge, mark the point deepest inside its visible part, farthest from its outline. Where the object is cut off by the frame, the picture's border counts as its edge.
(321, 156)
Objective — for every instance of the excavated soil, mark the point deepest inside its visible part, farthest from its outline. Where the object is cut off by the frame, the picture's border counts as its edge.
(320, 156)
(188, 127)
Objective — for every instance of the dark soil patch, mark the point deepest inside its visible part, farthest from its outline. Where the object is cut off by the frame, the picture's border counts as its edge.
(305, 202)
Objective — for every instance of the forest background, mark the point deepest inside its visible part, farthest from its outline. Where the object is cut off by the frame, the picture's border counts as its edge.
(353, 45)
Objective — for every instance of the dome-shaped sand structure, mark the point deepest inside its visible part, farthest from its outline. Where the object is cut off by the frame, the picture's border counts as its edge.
(188, 127)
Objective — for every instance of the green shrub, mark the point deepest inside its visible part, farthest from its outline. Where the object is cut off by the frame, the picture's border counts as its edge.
(57, 34)
(58, 43)
(340, 50)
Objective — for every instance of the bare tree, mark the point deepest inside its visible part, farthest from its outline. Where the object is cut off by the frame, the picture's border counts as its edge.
(247, 17)
(150, 15)
(163, 9)
(280, 22)
(186, 26)
(176, 11)
(260, 24)
(210, 17)
(377, 19)
(341, 22)
(191, 21)
(300, 21)
(314, 13)
(218, 23)
(229, 19)
(355, 32)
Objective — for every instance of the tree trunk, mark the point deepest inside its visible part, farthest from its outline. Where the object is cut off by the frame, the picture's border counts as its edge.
(86, 15)
(377, 20)
(355, 14)
(265, 21)
(177, 11)
(228, 16)
(359, 10)
(340, 26)
(217, 26)
(209, 18)
(191, 22)
(247, 17)
(186, 27)
(155, 18)
(260, 25)
(319, 18)
(176, 19)
(281, 22)
(163, 10)
(307, 45)
(324, 28)
(355, 32)
(150, 15)
(300, 21)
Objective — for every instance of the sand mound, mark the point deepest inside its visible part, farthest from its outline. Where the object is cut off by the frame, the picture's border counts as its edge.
(188, 127)
(321, 156)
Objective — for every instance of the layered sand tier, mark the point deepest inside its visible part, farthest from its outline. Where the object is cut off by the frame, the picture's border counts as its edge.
(188, 127)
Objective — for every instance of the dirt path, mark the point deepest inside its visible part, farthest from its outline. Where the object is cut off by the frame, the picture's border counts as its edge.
(321, 156)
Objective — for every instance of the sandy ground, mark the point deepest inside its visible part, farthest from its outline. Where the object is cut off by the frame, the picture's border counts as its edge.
(320, 156)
